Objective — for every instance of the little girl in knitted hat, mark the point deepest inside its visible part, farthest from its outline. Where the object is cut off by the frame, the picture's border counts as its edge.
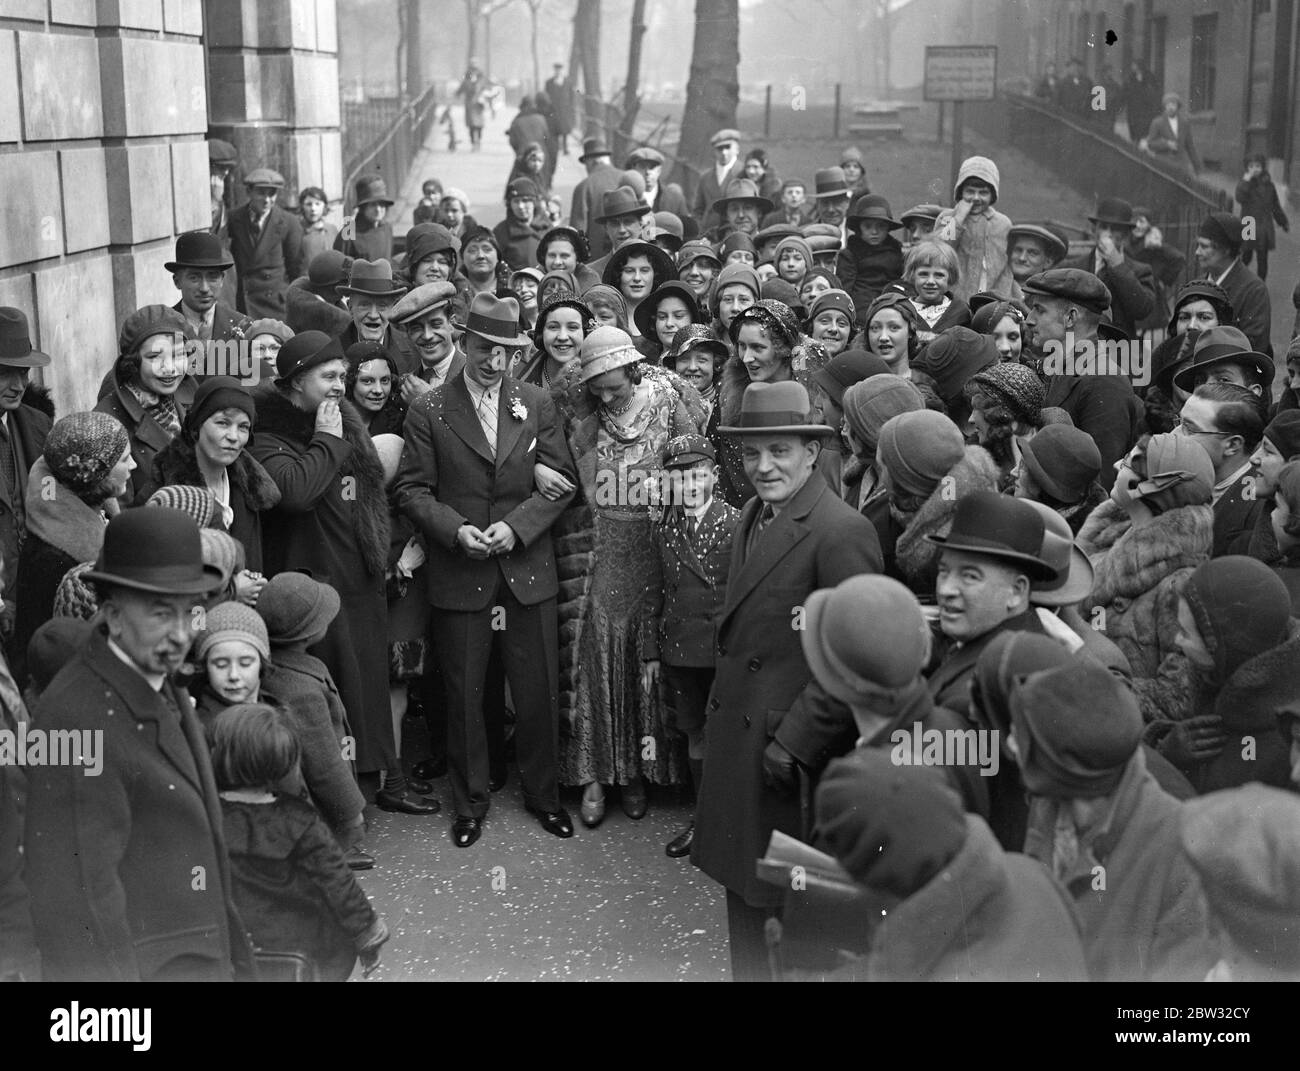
(978, 232)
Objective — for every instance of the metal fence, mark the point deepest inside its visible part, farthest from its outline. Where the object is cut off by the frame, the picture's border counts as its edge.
(1099, 164)
(385, 139)
(604, 119)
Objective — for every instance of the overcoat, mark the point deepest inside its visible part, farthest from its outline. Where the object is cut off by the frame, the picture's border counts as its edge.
(764, 689)
(148, 437)
(28, 428)
(265, 262)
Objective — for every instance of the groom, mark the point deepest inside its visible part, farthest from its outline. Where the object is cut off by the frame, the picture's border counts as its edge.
(466, 480)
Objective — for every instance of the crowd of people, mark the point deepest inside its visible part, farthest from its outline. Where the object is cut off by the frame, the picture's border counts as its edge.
(723, 493)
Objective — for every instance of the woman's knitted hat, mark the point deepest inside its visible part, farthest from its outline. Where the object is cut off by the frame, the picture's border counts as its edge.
(214, 395)
(222, 551)
(919, 449)
(737, 240)
(845, 369)
(987, 317)
(82, 449)
(1076, 727)
(602, 295)
(953, 357)
(797, 243)
(74, 597)
(870, 404)
(149, 321)
(893, 828)
(52, 646)
(198, 502)
(1202, 290)
(1242, 608)
(977, 167)
(775, 317)
(838, 300)
(233, 621)
(1015, 386)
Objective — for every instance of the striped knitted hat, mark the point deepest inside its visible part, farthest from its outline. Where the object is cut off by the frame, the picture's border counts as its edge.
(198, 502)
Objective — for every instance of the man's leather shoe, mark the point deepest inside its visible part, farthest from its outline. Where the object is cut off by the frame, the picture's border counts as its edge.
(497, 777)
(358, 859)
(430, 769)
(557, 823)
(387, 801)
(681, 844)
(419, 786)
(465, 830)
(634, 799)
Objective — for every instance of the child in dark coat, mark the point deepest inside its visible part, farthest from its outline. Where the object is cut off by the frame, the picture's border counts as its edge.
(292, 886)
(872, 258)
(694, 554)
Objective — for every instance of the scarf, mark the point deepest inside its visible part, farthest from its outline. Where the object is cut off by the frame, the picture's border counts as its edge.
(62, 519)
(162, 408)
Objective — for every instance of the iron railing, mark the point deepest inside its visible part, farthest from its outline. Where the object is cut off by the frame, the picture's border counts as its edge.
(394, 144)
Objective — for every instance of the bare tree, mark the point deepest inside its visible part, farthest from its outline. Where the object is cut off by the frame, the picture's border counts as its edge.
(631, 90)
(414, 50)
(533, 6)
(586, 57)
(713, 90)
(476, 12)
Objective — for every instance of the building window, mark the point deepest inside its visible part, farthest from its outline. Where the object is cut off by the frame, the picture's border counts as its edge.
(1204, 60)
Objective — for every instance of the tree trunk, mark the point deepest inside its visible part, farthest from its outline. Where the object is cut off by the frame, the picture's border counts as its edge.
(471, 39)
(586, 30)
(713, 90)
(533, 5)
(414, 51)
(632, 90)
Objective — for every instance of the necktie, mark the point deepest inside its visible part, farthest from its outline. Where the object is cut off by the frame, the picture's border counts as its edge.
(8, 467)
(487, 417)
(764, 519)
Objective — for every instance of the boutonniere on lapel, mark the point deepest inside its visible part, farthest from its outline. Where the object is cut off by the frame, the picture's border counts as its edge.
(518, 410)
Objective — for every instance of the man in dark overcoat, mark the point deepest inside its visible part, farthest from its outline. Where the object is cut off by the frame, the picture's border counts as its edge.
(768, 724)
(559, 90)
(1130, 282)
(266, 244)
(466, 481)
(126, 863)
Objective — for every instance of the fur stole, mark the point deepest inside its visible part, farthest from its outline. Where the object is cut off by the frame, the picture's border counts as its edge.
(915, 556)
(177, 464)
(278, 416)
(1129, 561)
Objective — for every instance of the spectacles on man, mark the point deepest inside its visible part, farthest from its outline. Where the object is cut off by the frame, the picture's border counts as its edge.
(1185, 427)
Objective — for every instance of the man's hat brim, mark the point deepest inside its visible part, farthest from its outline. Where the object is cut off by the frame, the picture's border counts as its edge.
(201, 265)
(814, 430)
(190, 585)
(1076, 587)
(397, 290)
(31, 359)
(1041, 570)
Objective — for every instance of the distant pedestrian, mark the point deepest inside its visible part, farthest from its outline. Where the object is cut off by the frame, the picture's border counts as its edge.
(266, 246)
(1258, 201)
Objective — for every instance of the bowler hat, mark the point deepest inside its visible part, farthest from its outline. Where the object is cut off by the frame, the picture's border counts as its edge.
(872, 206)
(1074, 574)
(1006, 529)
(199, 249)
(621, 201)
(1063, 460)
(373, 278)
(725, 135)
(1114, 211)
(777, 409)
(304, 351)
(1072, 284)
(591, 148)
(296, 607)
(421, 300)
(741, 189)
(830, 182)
(1052, 242)
(16, 341)
(686, 450)
(371, 189)
(495, 319)
(1223, 345)
(156, 550)
(264, 176)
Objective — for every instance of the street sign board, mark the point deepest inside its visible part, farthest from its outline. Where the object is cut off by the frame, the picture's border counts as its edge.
(961, 72)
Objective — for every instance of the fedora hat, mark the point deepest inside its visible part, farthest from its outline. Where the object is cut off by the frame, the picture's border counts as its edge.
(777, 409)
(304, 351)
(591, 148)
(1074, 574)
(872, 206)
(199, 249)
(16, 341)
(1002, 528)
(264, 176)
(374, 278)
(741, 189)
(495, 319)
(157, 550)
(1113, 210)
(830, 182)
(605, 349)
(621, 201)
(1219, 345)
(371, 189)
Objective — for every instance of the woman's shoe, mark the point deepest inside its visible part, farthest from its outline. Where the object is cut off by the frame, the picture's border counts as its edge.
(634, 798)
(593, 805)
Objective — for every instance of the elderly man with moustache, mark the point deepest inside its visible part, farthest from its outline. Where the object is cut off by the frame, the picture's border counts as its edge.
(766, 720)
(266, 245)
(127, 870)
(371, 293)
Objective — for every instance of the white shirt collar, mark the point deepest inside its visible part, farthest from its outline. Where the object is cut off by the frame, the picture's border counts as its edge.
(1219, 280)
(155, 680)
(699, 511)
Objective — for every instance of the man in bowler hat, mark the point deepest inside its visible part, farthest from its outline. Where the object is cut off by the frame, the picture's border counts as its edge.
(199, 272)
(23, 429)
(770, 728)
(266, 244)
(602, 178)
(1130, 282)
(466, 481)
(127, 869)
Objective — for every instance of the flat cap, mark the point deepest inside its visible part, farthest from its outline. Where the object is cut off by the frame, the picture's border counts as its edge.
(1073, 284)
(644, 152)
(264, 176)
(688, 450)
(725, 135)
(422, 299)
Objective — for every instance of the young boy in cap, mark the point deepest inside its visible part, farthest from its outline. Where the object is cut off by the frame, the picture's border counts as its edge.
(693, 547)
(726, 166)
(978, 231)
(266, 246)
